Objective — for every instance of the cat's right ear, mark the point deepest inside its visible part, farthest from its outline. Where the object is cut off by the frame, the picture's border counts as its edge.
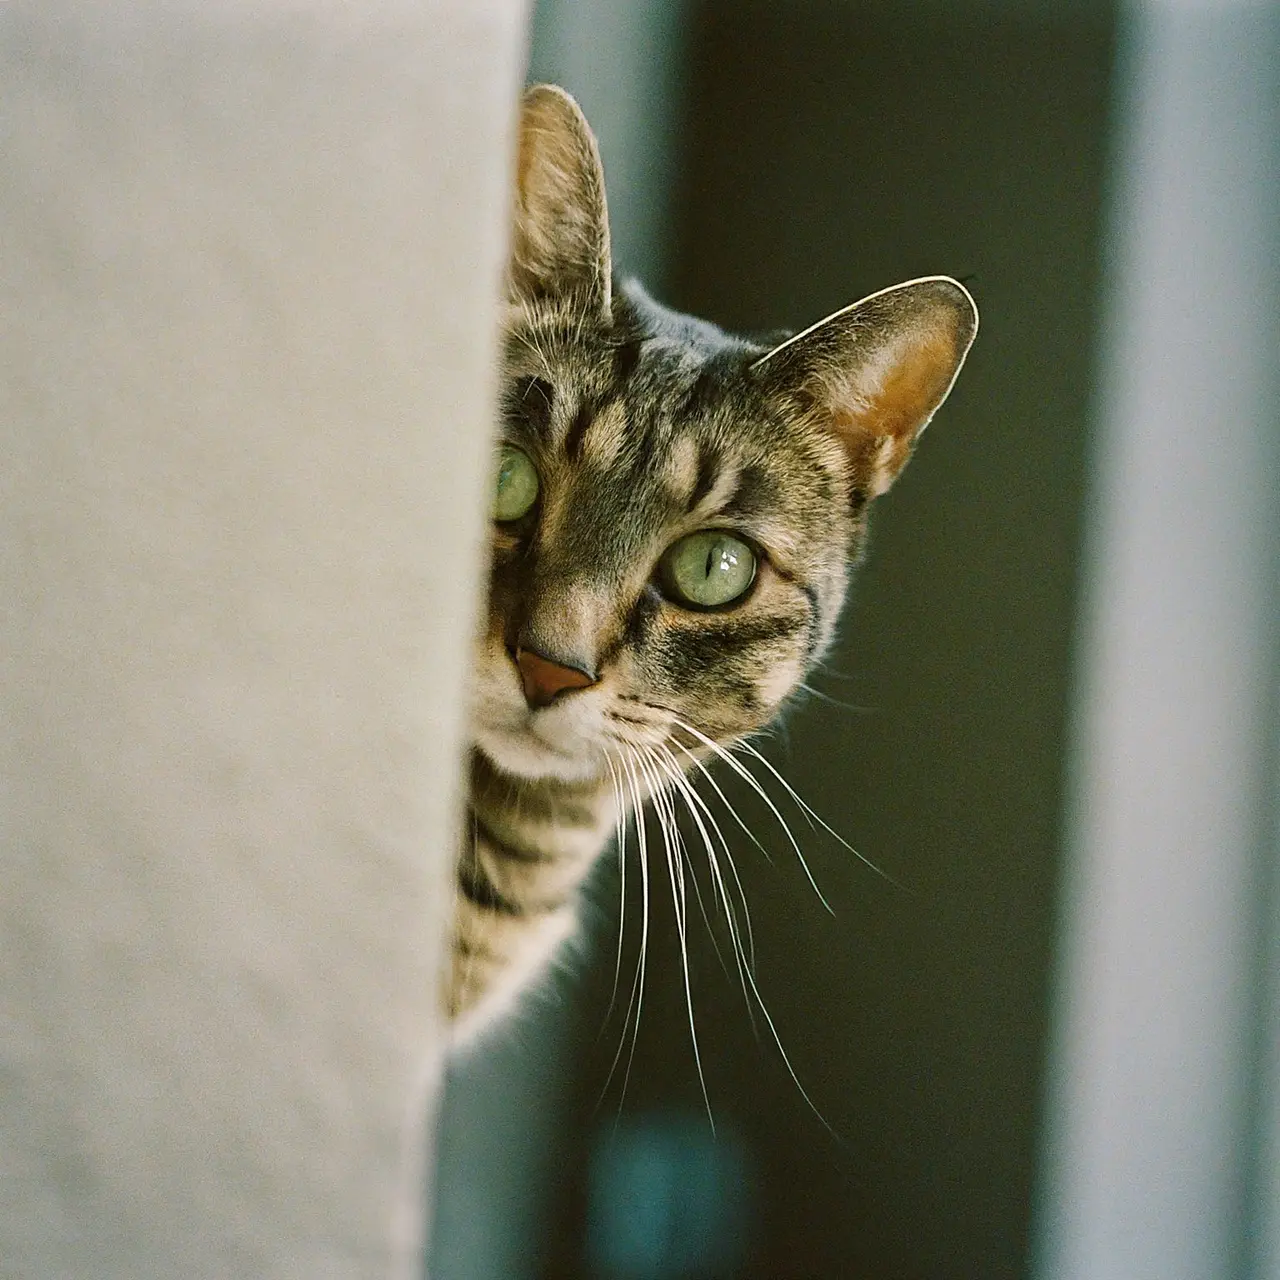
(560, 237)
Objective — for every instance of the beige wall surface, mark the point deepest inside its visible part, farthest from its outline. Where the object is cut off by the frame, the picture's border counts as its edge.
(248, 263)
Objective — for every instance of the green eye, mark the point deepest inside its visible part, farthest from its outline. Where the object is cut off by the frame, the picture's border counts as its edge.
(516, 489)
(708, 569)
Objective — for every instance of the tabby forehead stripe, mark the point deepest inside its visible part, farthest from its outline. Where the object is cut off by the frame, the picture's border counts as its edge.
(607, 436)
(577, 432)
(708, 473)
(755, 492)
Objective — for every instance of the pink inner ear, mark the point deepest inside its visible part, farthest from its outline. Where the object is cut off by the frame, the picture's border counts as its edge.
(879, 410)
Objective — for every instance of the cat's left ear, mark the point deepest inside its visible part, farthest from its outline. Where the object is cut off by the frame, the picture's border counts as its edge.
(874, 373)
(560, 236)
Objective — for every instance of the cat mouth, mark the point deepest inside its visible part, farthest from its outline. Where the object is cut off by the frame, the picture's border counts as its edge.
(525, 747)
(548, 744)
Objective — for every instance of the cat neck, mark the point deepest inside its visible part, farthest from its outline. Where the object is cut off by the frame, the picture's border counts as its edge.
(528, 847)
(546, 801)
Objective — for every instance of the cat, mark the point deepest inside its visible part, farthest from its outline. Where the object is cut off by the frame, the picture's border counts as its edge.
(675, 515)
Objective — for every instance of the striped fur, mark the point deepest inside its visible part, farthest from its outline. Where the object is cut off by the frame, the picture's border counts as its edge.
(646, 426)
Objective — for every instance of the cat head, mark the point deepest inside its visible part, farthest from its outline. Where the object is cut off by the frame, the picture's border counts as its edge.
(676, 510)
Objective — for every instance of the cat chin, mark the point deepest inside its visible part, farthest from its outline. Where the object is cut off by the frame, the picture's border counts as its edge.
(521, 754)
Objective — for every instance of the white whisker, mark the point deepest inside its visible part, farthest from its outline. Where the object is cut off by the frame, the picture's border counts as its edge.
(702, 816)
(620, 835)
(738, 767)
(835, 702)
(675, 870)
(653, 768)
(671, 772)
(746, 971)
(637, 986)
(833, 673)
(814, 817)
(777, 1040)
(693, 802)
(724, 799)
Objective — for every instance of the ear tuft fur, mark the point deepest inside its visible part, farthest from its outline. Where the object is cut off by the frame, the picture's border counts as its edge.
(874, 373)
(560, 237)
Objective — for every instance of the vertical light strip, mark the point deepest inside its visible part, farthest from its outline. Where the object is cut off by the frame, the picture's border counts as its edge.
(1264, 1184)
(1147, 1171)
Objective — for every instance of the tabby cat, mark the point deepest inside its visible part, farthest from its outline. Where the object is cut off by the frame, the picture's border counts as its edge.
(675, 515)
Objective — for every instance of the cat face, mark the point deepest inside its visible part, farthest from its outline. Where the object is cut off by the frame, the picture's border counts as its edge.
(675, 510)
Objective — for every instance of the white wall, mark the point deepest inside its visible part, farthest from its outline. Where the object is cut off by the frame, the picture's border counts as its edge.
(249, 257)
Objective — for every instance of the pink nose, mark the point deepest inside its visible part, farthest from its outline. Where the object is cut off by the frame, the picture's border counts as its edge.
(544, 680)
